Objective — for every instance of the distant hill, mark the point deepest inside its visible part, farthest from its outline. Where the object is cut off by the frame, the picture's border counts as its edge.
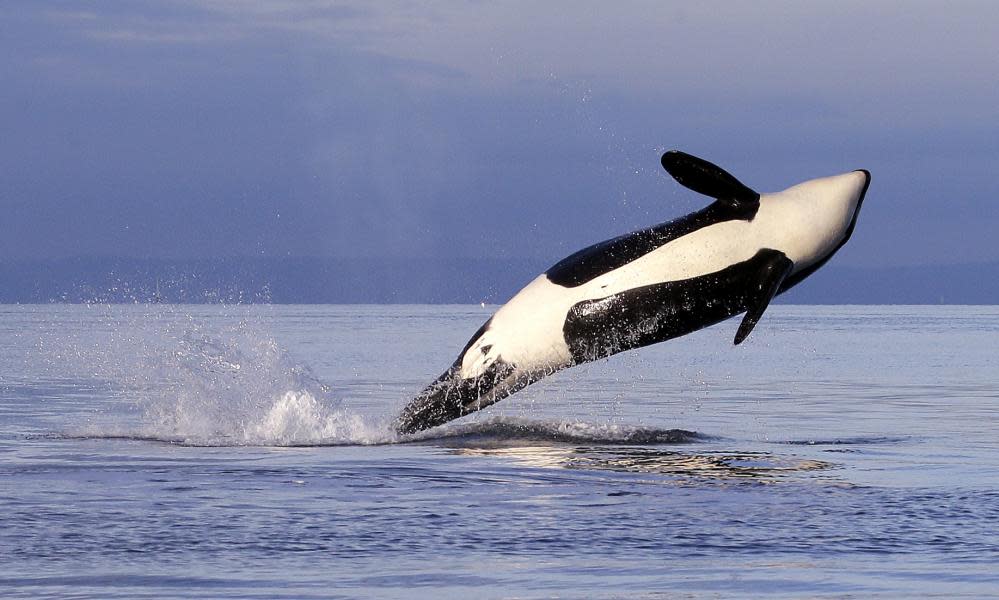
(337, 281)
(951, 284)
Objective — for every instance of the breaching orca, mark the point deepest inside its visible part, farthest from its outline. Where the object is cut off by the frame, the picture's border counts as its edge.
(651, 285)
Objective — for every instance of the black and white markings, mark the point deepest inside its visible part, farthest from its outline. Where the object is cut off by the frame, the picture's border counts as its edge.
(655, 313)
(651, 285)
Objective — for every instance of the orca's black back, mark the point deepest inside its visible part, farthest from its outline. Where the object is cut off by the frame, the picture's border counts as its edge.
(598, 259)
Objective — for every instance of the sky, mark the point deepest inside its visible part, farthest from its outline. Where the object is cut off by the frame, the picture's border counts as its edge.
(509, 130)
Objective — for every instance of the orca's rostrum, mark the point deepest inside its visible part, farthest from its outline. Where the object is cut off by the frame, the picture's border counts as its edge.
(651, 285)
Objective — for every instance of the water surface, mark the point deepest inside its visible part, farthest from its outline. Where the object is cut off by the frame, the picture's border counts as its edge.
(245, 452)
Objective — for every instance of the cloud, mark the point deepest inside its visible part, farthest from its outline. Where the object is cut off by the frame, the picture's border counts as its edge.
(478, 128)
(199, 21)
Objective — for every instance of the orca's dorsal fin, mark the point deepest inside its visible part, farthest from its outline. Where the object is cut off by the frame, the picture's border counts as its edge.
(774, 267)
(709, 179)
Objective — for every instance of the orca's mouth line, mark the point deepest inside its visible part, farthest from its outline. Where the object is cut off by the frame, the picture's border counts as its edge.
(856, 211)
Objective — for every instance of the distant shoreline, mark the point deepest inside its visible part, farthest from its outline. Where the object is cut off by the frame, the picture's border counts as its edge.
(415, 281)
(441, 304)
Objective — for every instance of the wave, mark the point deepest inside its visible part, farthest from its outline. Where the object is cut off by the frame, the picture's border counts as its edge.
(297, 420)
(849, 441)
(511, 430)
(177, 380)
(233, 385)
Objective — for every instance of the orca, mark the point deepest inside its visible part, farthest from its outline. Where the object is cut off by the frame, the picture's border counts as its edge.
(650, 285)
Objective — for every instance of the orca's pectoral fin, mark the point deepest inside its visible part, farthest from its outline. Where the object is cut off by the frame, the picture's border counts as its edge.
(774, 267)
(709, 179)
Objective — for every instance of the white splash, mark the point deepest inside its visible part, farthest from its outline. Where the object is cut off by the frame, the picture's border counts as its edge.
(298, 418)
(230, 385)
(247, 391)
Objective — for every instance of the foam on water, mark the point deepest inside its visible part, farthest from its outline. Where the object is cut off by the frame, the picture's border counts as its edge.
(234, 385)
(246, 390)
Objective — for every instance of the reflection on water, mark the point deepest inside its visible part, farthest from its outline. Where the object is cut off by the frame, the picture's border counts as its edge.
(554, 444)
(758, 466)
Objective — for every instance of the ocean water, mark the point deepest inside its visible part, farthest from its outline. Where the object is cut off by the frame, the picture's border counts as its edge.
(245, 452)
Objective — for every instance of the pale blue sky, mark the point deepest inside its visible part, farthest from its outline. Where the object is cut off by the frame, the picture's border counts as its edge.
(520, 129)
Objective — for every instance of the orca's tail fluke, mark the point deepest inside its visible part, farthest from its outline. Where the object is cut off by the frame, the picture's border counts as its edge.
(439, 403)
(452, 396)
